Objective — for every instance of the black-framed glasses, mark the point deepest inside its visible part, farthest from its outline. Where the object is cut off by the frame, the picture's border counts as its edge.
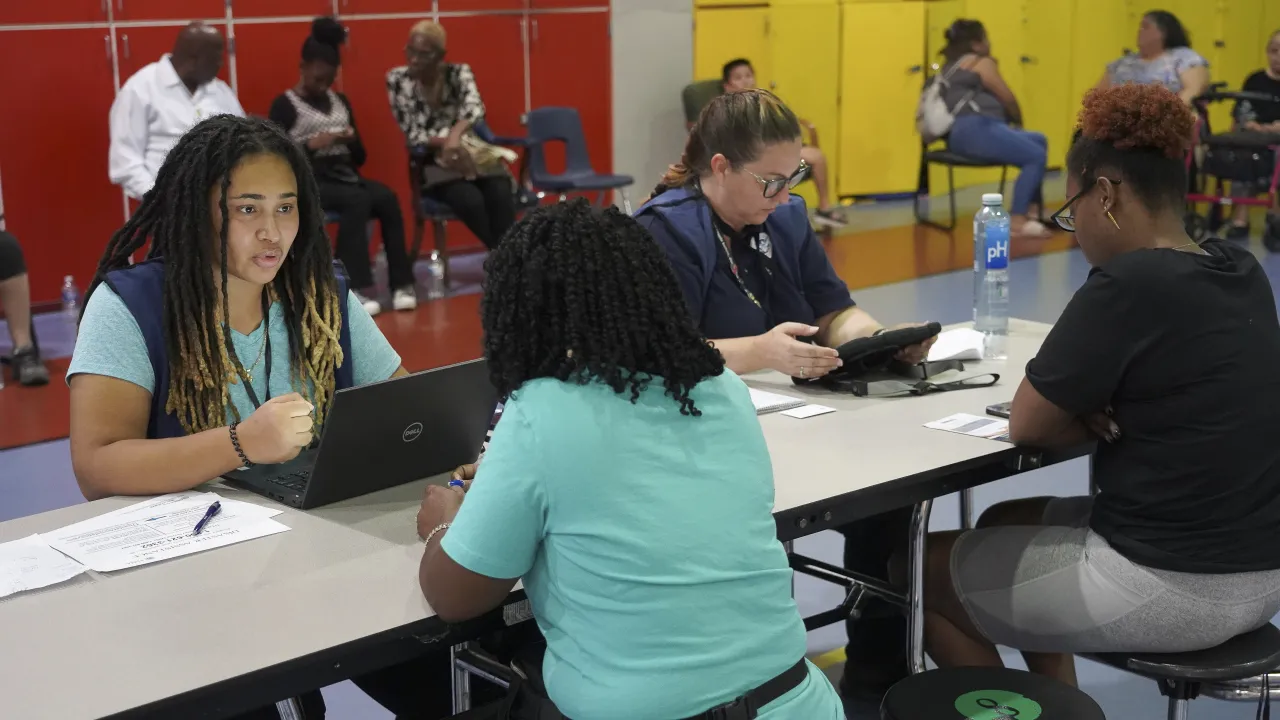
(1067, 220)
(428, 55)
(776, 185)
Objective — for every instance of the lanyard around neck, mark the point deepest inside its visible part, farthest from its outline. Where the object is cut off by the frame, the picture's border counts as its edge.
(733, 267)
(266, 338)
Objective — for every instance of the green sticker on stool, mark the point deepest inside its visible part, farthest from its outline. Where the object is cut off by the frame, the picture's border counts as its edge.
(997, 705)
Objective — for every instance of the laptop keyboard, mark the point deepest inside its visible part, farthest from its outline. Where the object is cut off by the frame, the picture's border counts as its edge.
(294, 481)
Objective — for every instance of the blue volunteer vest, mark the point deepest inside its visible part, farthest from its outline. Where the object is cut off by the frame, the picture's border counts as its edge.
(687, 217)
(141, 287)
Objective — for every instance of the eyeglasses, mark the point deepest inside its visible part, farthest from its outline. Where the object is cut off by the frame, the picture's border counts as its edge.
(776, 185)
(900, 388)
(1066, 220)
(411, 53)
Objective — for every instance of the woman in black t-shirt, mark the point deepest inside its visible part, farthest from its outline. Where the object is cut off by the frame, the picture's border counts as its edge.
(1257, 116)
(1168, 354)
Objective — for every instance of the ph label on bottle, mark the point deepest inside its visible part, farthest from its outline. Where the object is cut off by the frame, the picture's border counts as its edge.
(997, 247)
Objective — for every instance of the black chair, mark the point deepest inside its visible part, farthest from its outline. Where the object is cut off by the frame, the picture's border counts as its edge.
(951, 161)
(1183, 676)
(979, 692)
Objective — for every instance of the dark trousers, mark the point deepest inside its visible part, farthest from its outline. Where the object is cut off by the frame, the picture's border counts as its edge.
(356, 204)
(486, 205)
(877, 650)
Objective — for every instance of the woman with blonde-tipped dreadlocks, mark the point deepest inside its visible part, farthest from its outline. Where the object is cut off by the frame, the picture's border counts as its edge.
(227, 344)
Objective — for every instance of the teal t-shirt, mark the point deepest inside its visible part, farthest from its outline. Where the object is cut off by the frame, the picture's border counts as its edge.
(648, 549)
(110, 343)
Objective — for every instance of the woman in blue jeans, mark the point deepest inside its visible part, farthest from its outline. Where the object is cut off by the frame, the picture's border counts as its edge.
(987, 120)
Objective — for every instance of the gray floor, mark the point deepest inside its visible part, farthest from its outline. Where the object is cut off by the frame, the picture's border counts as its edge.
(39, 478)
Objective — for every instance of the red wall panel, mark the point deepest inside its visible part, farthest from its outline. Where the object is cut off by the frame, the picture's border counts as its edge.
(53, 154)
(576, 46)
(267, 59)
(474, 5)
(546, 4)
(27, 12)
(278, 8)
(137, 47)
(351, 7)
(135, 10)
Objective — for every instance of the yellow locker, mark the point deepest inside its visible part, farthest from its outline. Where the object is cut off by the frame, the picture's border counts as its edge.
(1270, 18)
(938, 17)
(721, 3)
(882, 74)
(722, 34)
(1106, 31)
(1047, 104)
(804, 40)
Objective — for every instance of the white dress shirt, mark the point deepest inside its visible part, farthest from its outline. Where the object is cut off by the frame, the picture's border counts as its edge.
(153, 110)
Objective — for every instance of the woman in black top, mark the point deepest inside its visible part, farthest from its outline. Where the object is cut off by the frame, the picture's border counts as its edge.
(1168, 355)
(323, 122)
(1257, 116)
(436, 103)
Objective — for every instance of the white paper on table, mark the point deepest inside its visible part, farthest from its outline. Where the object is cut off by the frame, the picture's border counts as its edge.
(767, 402)
(975, 425)
(30, 563)
(807, 411)
(958, 344)
(161, 528)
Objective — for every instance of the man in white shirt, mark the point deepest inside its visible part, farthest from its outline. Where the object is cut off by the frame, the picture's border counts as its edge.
(161, 102)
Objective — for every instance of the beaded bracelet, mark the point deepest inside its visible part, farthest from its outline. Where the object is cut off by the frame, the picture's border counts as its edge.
(435, 531)
(235, 442)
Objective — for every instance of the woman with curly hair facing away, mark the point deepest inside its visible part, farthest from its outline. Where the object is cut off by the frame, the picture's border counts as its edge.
(1167, 355)
(628, 483)
(226, 345)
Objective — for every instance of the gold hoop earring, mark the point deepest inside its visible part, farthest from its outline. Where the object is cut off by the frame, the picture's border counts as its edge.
(1113, 219)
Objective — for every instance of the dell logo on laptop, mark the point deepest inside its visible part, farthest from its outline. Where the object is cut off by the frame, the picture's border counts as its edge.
(412, 432)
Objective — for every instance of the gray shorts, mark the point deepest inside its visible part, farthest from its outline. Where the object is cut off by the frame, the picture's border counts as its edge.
(1061, 588)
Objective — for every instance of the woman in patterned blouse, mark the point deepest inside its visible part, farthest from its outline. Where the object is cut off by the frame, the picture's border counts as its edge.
(1164, 57)
(322, 122)
(436, 103)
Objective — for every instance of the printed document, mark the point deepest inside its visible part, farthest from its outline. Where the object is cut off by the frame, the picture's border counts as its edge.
(161, 528)
(975, 425)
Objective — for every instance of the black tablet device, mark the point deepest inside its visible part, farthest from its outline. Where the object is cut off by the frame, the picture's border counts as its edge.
(874, 353)
(887, 343)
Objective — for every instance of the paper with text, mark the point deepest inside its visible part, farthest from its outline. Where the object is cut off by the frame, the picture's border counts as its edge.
(975, 425)
(30, 563)
(161, 528)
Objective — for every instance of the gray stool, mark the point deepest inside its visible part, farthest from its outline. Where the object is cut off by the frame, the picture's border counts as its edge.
(981, 693)
(1182, 676)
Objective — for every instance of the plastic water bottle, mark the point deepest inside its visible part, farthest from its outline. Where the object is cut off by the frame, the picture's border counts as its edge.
(435, 277)
(70, 301)
(991, 276)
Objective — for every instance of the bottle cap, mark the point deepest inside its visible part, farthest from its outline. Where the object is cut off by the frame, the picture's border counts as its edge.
(992, 199)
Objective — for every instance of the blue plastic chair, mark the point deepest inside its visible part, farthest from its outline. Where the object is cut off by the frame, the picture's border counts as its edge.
(426, 209)
(562, 124)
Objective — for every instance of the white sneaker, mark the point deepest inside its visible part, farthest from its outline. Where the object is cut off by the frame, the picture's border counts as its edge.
(404, 299)
(373, 307)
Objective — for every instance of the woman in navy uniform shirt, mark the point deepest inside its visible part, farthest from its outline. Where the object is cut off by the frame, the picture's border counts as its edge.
(756, 279)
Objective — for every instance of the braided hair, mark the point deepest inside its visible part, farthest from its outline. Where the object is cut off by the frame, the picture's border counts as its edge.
(175, 218)
(579, 294)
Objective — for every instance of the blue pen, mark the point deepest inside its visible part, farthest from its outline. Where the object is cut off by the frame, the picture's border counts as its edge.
(214, 509)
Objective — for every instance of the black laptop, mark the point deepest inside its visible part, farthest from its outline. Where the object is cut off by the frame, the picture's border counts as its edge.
(385, 434)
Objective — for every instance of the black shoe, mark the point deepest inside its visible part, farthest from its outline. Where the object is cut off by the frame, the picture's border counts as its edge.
(1237, 232)
(27, 367)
